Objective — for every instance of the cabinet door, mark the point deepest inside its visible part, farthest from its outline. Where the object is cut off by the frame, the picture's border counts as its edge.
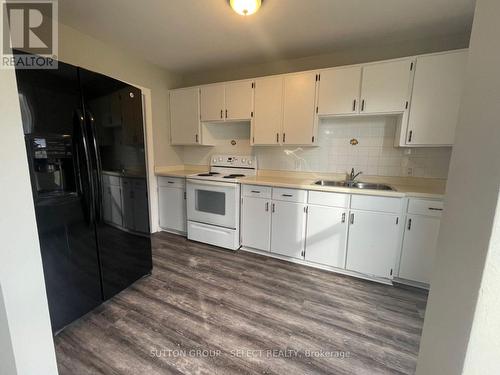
(372, 243)
(256, 223)
(435, 102)
(128, 204)
(116, 211)
(239, 100)
(326, 236)
(299, 109)
(141, 211)
(212, 103)
(172, 208)
(288, 228)
(268, 111)
(339, 91)
(385, 87)
(419, 248)
(185, 116)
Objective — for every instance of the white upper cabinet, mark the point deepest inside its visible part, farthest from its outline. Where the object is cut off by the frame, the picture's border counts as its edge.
(227, 102)
(185, 116)
(437, 90)
(339, 91)
(212, 103)
(268, 111)
(385, 87)
(299, 108)
(239, 101)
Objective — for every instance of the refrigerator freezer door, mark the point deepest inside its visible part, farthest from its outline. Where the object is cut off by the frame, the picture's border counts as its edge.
(56, 154)
(113, 112)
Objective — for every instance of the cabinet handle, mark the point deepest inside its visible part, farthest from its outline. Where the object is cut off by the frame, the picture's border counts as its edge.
(226, 113)
(185, 195)
(196, 138)
(409, 137)
(409, 224)
(283, 137)
(343, 217)
(435, 209)
(267, 206)
(277, 137)
(221, 113)
(362, 105)
(272, 208)
(352, 218)
(354, 105)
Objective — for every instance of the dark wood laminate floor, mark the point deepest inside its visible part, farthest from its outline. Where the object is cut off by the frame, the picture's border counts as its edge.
(210, 311)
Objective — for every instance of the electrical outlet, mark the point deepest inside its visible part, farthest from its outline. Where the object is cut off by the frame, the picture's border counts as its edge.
(409, 171)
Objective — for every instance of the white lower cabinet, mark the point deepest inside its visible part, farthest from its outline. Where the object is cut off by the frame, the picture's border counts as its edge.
(326, 235)
(419, 242)
(172, 204)
(256, 223)
(288, 228)
(373, 243)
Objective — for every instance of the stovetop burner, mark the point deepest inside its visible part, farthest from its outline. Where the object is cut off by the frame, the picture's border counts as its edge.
(208, 174)
(235, 175)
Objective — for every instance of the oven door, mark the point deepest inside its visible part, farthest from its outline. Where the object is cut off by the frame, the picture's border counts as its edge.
(215, 203)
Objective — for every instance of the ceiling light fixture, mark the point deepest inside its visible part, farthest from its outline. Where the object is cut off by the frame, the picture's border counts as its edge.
(245, 7)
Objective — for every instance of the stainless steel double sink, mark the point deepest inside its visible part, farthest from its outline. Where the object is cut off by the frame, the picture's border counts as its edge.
(354, 185)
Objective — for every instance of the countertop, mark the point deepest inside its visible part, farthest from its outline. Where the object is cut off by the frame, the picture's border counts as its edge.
(127, 174)
(400, 190)
(403, 186)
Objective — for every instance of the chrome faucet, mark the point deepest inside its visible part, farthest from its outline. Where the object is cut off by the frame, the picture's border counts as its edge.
(353, 176)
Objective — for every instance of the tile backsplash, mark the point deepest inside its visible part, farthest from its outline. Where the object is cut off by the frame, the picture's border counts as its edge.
(374, 154)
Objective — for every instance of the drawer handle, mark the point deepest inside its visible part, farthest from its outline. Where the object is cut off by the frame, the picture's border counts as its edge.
(287, 195)
(435, 209)
(171, 182)
(256, 191)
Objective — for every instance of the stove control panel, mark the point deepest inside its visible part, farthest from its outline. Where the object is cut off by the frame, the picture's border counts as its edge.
(241, 161)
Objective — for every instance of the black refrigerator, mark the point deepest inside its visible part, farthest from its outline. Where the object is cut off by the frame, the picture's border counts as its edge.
(85, 144)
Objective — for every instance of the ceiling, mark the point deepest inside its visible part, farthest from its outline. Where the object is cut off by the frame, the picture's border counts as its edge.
(195, 35)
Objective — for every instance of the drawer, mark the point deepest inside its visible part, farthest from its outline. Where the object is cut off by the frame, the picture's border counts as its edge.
(329, 199)
(108, 179)
(177, 182)
(374, 203)
(290, 195)
(256, 191)
(428, 207)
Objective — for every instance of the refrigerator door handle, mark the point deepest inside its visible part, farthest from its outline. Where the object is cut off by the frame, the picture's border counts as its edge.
(98, 166)
(91, 204)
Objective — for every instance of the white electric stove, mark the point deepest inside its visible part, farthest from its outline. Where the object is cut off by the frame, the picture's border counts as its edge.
(213, 201)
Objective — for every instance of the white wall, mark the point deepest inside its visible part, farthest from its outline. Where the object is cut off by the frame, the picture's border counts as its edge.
(346, 56)
(374, 154)
(24, 304)
(465, 267)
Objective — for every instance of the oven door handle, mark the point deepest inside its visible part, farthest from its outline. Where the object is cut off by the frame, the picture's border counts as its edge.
(211, 183)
